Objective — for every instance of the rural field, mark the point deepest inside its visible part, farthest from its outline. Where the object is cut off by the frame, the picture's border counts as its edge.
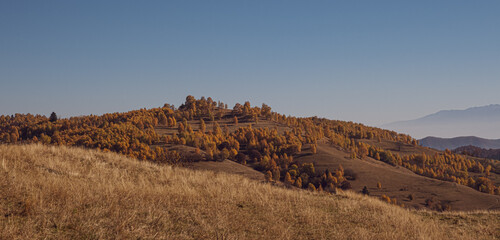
(67, 193)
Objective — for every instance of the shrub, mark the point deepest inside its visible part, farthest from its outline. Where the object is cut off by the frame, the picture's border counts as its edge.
(345, 185)
(410, 197)
(349, 174)
(386, 198)
(365, 191)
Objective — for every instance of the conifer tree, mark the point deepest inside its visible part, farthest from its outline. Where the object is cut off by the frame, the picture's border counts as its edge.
(288, 179)
(202, 126)
(53, 117)
(269, 176)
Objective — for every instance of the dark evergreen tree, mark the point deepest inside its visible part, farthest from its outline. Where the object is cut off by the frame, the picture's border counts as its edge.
(53, 117)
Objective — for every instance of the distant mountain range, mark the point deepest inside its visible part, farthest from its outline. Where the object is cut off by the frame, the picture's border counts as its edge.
(453, 143)
(483, 122)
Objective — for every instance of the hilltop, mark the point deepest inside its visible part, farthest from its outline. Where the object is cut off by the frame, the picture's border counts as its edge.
(63, 192)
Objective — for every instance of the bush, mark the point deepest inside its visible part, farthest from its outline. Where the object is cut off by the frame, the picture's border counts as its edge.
(345, 185)
(365, 191)
(410, 197)
(349, 174)
(241, 158)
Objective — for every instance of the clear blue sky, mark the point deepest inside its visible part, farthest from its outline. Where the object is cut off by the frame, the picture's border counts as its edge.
(366, 61)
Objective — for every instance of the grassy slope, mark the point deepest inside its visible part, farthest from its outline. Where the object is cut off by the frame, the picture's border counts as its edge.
(399, 182)
(60, 192)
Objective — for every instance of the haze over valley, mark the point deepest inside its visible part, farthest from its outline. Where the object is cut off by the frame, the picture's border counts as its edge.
(483, 122)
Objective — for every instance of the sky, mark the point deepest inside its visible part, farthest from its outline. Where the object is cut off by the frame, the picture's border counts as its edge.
(372, 62)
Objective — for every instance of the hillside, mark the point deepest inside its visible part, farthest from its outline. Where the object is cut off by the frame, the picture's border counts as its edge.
(399, 183)
(71, 193)
(259, 143)
(453, 143)
(482, 122)
(479, 152)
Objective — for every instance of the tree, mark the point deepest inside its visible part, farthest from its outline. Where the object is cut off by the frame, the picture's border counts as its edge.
(362, 150)
(269, 176)
(298, 182)
(246, 108)
(288, 179)
(365, 191)
(180, 128)
(311, 187)
(216, 129)
(14, 135)
(162, 119)
(237, 109)
(202, 126)
(276, 174)
(386, 198)
(45, 139)
(53, 117)
(266, 111)
(487, 170)
(313, 148)
(224, 154)
(410, 197)
(241, 158)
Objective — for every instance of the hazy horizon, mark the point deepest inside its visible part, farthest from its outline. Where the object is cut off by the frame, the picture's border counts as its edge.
(369, 62)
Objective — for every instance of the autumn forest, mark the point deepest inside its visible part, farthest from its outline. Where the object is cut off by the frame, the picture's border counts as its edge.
(215, 132)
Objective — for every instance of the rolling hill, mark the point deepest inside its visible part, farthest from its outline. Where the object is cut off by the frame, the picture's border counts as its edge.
(478, 152)
(306, 153)
(482, 122)
(58, 192)
(453, 143)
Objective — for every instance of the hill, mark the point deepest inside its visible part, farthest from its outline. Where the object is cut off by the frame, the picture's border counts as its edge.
(399, 183)
(72, 193)
(307, 153)
(478, 152)
(482, 122)
(453, 143)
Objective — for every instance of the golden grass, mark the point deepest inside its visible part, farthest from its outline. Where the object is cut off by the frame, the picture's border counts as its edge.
(72, 193)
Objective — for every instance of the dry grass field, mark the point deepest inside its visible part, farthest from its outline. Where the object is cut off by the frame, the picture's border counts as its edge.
(399, 182)
(51, 192)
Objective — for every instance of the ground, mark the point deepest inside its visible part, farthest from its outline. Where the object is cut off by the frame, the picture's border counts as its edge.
(49, 192)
